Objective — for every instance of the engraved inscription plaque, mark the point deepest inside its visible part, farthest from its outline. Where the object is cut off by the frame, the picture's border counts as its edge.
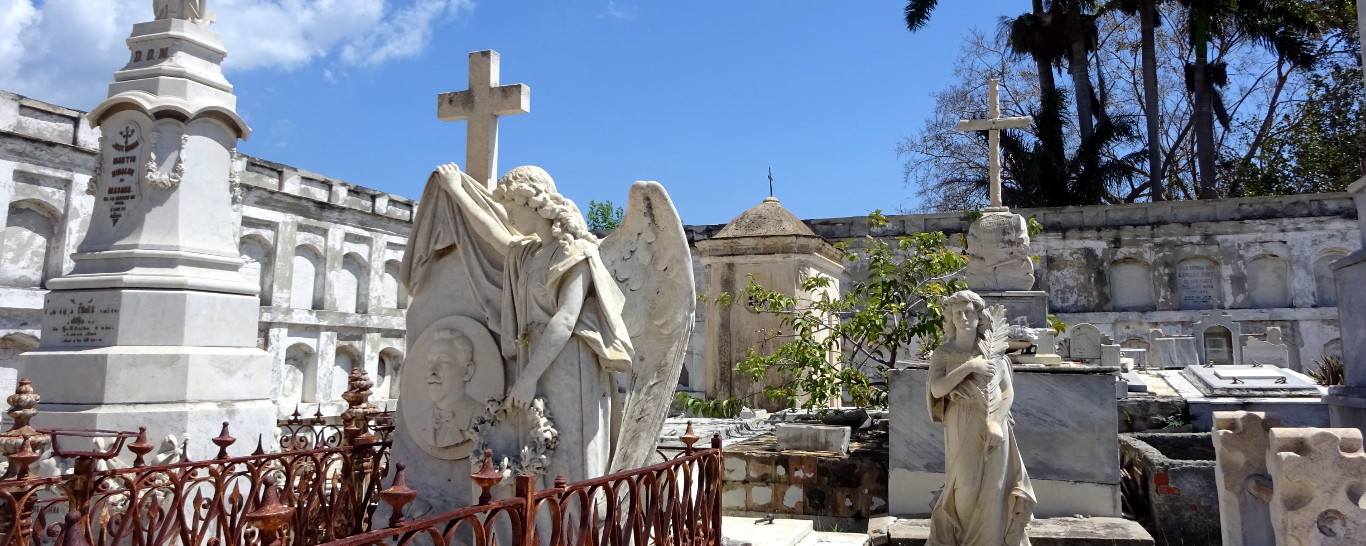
(123, 156)
(1197, 283)
(81, 320)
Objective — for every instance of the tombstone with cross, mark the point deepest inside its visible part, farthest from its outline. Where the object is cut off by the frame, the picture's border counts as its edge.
(480, 106)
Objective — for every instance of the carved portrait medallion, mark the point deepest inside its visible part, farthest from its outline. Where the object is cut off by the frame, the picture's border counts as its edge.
(452, 372)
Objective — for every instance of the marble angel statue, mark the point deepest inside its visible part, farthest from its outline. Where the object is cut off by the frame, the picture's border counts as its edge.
(987, 498)
(568, 310)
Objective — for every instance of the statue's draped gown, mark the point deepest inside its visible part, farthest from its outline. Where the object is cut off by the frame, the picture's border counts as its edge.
(987, 498)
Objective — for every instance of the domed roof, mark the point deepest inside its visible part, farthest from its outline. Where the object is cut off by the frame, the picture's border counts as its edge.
(766, 219)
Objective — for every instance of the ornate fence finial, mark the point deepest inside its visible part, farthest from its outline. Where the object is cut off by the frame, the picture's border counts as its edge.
(271, 514)
(21, 405)
(140, 447)
(223, 440)
(357, 416)
(486, 477)
(689, 437)
(398, 495)
(73, 533)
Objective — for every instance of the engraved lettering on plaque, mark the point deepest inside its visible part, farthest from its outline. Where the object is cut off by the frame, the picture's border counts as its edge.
(82, 321)
(1197, 283)
(122, 157)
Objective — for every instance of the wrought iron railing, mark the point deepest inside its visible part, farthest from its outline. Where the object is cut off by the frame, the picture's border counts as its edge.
(676, 502)
(326, 495)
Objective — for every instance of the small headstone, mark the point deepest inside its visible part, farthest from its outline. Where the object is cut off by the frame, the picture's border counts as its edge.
(1109, 356)
(799, 437)
(1139, 356)
(1173, 352)
(1218, 337)
(1267, 352)
(1086, 342)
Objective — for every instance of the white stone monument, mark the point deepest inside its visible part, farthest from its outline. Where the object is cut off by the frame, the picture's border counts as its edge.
(524, 323)
(156, 326)
(999, 267)
(1348, 402)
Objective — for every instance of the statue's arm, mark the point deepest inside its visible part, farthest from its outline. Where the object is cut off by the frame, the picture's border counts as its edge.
(573, 290)
(489, 227)
(943, 381)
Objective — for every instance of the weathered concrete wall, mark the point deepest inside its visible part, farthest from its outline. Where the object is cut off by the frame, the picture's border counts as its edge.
(1170, 484)
(844, 489)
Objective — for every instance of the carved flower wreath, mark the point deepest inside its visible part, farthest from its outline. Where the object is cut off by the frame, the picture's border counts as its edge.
(534, 457)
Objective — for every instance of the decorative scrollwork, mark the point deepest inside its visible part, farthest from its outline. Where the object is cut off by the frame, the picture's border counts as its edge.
(154, 176)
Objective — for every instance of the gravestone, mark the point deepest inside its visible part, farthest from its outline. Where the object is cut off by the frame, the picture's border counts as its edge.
(1219, 339)
(1197, 284)
(1086, 343)
(1348, 402)
(1271, 351)
(155, 325)
(1249, 382)
(1172, 352)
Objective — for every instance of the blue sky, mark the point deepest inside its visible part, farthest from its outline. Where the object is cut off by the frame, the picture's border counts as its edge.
(704, 97)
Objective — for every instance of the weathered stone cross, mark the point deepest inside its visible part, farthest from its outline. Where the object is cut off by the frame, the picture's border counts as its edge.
(480, 106)
(993, 125)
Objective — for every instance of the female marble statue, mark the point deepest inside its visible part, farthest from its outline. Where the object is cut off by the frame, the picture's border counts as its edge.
(567, 309)
(987, 498)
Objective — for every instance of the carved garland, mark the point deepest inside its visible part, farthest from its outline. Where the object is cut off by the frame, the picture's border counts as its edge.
(534, 457)
(93, 186)
(234, 180)
(155, 177)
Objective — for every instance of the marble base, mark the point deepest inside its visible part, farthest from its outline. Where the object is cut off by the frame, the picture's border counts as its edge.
(1042, 360)
(1346, 407)
(1055, 413)
(1031, 304)
(444, 484)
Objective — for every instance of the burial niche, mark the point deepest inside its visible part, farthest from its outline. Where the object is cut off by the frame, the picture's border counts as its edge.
(306, 288)
(349, 285)
(256, 252)
(1325, 288)
(386, 377)
(1268, 282)
(1218, 345)
(298, 382)
(392, 293)
(26, 244)
(1197, 283)
(1131, 286)
(15, 344)
(346, 359)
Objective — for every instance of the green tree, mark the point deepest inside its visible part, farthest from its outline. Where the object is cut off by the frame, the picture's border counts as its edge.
(895, 307)
(1284, 27)
(1318, 146)
(1149, 18)
(603, 216)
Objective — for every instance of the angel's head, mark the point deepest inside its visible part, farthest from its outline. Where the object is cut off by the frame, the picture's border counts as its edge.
(528, 193)
(962, 313)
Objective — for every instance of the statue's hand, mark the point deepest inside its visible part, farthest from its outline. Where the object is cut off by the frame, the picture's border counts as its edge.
(979, 365)
(449, 171)
(521, 394)
(995, 435)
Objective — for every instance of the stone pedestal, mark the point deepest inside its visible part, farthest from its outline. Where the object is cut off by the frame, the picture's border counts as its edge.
(1065, 426)
(155, 325)
(1030, 304)
(1348, 402)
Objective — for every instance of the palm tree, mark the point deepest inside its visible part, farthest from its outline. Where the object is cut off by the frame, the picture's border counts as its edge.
(1283, 27)
(918, 13)
(1052, 32)
(1148, 20)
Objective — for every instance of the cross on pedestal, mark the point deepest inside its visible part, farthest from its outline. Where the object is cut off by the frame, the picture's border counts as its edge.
(993, 125)
(480, 106)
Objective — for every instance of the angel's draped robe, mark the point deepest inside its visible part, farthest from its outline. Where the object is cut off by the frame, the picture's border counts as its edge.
(987, 498)
(515, 292)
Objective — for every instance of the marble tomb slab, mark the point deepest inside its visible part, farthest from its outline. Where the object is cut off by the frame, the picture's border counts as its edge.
(1248, 382)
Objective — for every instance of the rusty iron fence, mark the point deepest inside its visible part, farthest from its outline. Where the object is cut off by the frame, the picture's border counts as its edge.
(324, 487)
(673, 503)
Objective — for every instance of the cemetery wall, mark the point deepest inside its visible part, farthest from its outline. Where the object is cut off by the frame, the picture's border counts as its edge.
(1131, 268)
(327, 253)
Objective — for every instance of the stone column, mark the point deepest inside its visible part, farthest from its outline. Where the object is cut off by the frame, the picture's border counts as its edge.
(156, 326)
(1348, 402)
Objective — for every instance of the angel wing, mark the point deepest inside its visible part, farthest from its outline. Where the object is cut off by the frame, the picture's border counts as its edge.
(993, 346)
(649, 257)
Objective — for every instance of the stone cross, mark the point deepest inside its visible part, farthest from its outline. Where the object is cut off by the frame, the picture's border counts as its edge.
(480, 106)
(993, 126)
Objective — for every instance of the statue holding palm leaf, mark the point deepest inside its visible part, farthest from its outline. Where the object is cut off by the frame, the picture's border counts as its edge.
(987, 498)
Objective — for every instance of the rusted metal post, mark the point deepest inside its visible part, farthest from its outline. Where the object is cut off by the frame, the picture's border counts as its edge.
(140, 447)
(526, 490)
(223, 440)
(689, 437)
(398, 495)
(73, 532)
(715, 487)
(21, 410)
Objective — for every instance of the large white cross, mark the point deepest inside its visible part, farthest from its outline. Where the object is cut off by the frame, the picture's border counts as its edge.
(993, 125)
(480, 106)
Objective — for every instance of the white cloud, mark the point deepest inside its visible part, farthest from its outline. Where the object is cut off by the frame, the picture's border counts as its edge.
(66, 51)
